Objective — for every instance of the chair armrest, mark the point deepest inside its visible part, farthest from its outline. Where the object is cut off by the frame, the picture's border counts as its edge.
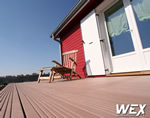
(73, 60)
(45, 68)
(57, 63)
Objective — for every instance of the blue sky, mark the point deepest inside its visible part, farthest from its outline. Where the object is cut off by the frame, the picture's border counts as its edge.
(25, 27)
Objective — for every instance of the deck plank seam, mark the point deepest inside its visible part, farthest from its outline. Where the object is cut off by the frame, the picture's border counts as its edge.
(24, 114)
(11, 101)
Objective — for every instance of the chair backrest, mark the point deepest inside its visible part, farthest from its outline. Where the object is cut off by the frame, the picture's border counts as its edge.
(67, 62)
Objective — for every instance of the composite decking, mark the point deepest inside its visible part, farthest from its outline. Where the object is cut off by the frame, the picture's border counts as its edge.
(84, 98)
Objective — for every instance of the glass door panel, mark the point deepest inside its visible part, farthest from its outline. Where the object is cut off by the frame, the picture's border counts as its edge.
(122, 38)
(118, 30)
(141, 10)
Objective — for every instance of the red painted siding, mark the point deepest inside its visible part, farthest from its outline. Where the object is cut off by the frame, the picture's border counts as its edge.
(72, 40)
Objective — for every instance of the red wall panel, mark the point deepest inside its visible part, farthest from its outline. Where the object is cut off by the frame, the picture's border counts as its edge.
(72, 40)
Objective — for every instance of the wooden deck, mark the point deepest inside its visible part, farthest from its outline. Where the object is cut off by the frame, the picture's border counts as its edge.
(84, 98)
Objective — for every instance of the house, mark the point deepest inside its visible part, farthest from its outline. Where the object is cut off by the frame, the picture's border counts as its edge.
(112, 36)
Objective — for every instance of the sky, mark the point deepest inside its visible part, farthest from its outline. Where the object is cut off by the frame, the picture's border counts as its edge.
(25, 28)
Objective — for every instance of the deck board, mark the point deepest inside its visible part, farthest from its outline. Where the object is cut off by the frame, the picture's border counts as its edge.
(17, 111)
(85, 98)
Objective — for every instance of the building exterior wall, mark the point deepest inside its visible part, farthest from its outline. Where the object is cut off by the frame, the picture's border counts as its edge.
(72, 40)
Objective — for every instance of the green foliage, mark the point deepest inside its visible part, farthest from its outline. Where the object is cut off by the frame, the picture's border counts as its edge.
(18, 78)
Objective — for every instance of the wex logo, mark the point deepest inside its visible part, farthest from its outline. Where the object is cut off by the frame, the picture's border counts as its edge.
(130, 109)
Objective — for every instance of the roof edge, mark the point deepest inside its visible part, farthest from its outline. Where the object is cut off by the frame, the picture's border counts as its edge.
(75, 10)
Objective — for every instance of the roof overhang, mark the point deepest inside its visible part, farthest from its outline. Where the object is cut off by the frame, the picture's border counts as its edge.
(71, 15)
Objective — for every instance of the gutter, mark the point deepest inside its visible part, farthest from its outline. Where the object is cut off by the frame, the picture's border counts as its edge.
(76, 9)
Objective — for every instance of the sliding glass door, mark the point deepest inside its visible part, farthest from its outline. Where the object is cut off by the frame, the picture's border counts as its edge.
(127, 24)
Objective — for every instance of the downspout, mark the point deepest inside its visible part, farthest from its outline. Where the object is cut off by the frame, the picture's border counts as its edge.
(60, 52)
(60, 46)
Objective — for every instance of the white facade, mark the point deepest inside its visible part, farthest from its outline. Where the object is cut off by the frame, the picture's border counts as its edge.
(122, 28)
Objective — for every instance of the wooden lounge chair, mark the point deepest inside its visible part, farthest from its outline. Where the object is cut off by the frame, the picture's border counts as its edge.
(68, 69)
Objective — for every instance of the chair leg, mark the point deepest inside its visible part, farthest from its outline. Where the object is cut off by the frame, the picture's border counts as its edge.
(51, 76)
(39, 78)
(71, 75)
(78, 74)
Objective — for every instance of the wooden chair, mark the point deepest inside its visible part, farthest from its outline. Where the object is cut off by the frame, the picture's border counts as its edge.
(68, 69)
